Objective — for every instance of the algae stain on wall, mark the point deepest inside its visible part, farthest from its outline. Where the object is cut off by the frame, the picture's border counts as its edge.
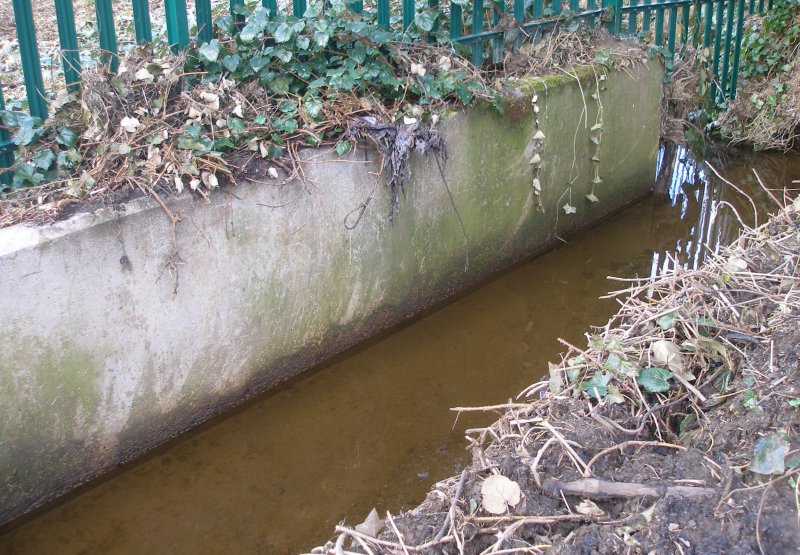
(34, 443)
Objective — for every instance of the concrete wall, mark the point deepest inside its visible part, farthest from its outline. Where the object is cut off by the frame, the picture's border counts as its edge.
(114, 342)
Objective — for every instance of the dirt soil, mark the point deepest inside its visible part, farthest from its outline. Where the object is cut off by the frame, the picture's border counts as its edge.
(709, 465)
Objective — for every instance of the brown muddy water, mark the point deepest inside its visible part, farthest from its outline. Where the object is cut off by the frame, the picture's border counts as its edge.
(375, 428)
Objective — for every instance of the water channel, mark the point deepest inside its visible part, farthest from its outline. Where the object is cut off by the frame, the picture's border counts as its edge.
(374, 429)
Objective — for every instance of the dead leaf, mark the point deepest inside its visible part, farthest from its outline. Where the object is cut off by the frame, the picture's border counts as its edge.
(669, 354)
(372, 526)
(129, 124)
(144, 75)
(589, 508)
(498, 493)
(735, 264)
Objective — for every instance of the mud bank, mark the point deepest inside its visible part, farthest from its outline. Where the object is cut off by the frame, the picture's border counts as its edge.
(675, 431)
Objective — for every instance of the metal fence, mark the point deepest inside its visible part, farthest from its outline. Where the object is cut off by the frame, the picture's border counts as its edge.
(715, 24)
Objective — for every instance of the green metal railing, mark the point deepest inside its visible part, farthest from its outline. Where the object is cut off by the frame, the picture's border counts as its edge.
(715, 24)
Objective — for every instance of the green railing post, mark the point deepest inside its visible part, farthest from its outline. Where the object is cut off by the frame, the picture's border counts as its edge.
(477, 27)
(456, 21)
(726, 53)
(383, 13)
(709, 19)
(6, 148)
(659, 34)
(737, 49)
(141, 21)
(538, 8)
(519, 11)
(646, 21)
(202, 11)
(177, 24)
(498, 9)
(108, 36)
(720, 11)
(357, 7)
(685, 21)
(433, 5)
(616, 26)
(70, 56)
(591, 5)
(408, 13)
(605, 4)
(671, 31)
(298, 7)
(633, 23)
(272, 6)
(29, 53)
(238, 19)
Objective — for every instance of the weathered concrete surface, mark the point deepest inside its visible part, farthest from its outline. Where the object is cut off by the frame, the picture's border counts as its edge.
(114, 341)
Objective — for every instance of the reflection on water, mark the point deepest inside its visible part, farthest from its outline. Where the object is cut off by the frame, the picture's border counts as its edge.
(375, 429)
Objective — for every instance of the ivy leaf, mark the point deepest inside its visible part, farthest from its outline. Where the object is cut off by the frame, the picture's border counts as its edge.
(283, 55)
(654, 380)
(231, 62)
(569, 209)
(620, 366)
(66, 137)
(193, 130)
(591, 197)
(613, 395)
(236, 125)
(284, 32)
(288, 107)
(312, 106)
(342, 147)
(769, 454)
(26, 133)
(280, 85)
(43, 159)
(67, 159)
(250, 32)
(27, 173)
(597, 387)
(303, 43)
(667, 321)
(426, 20)
(209, 52)
(322, 38)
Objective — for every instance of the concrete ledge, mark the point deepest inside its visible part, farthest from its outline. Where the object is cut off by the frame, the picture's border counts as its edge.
(114, 341)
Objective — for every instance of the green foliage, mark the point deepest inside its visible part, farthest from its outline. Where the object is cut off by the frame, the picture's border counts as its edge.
(296, 79)
(766, 115)
(654, 380)
(768, 43)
